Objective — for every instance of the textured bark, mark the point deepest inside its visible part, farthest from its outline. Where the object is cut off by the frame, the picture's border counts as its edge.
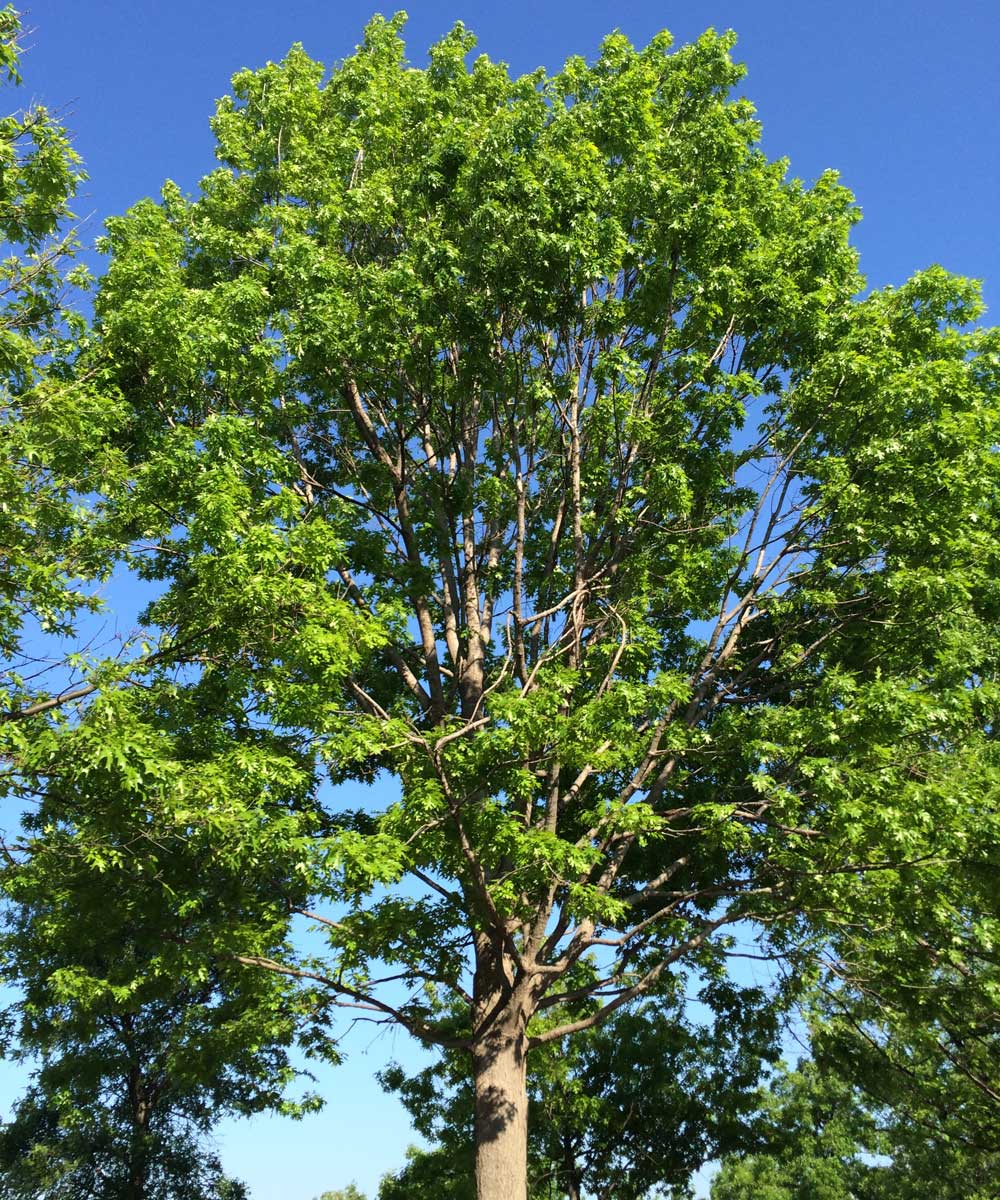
(501, 1115)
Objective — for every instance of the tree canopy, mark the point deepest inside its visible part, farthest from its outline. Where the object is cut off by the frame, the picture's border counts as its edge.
(525, 449)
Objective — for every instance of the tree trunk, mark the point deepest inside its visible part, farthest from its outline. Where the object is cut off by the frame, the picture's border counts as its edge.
(136, 1181)
(501, 1114)
(571, 1182)
(139, 1110)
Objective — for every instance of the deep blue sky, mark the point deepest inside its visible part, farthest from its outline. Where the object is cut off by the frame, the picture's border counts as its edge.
(899, 95)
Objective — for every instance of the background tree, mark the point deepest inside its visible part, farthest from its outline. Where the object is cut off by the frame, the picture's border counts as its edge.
(914, 1022)
(446, 1170)
(904, 1031)
(824, 1138)
(817, 1139)
(77, 1150)
(524, 441)
(133, 1048)
(137, 1037)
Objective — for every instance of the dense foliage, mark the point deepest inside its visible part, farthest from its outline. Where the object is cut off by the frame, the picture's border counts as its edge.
(521, 448)
(135, 1046)
(823, 1138)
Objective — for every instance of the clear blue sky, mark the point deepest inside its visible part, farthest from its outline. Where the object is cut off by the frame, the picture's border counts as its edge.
(899, 95)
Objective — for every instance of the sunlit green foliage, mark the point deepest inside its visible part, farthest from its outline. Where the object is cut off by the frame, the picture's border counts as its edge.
(522, 447)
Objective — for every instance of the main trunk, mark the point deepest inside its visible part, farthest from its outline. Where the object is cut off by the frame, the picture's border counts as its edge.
(501, 1116)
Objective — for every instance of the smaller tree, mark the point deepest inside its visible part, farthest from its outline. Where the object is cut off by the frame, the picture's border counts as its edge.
(445, 1172)
(914, 1020)
(813, 1135)
(912, 1016)
(62, 1146)
(144, 1028)
(824, 1138)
